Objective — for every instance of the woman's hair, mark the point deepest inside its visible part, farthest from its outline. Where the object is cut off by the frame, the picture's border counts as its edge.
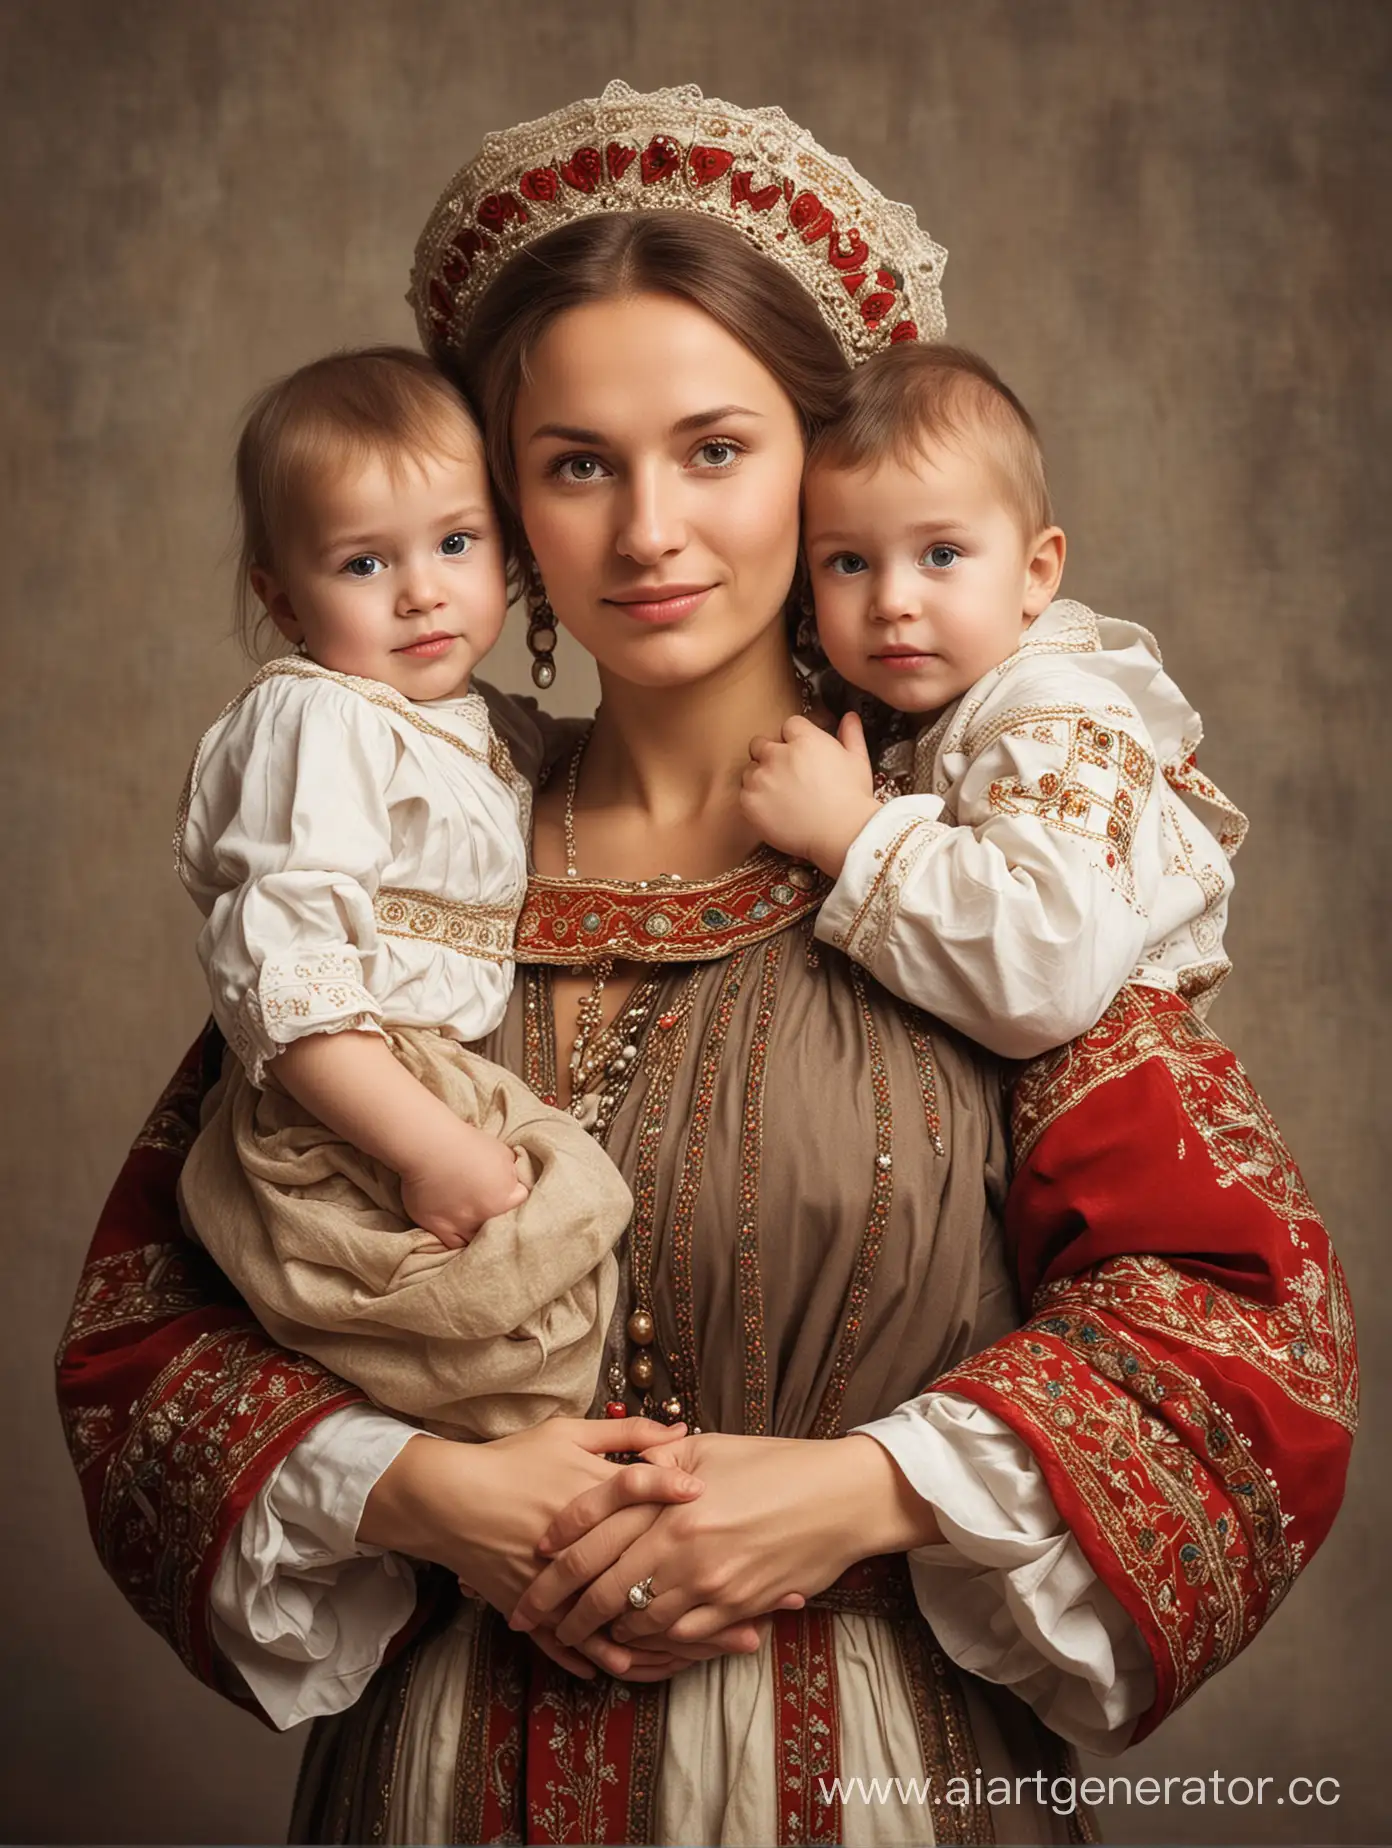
(902, 402)
(386, 402)
(619, 254)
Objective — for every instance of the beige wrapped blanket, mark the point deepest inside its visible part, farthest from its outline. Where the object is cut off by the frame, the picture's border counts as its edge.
(472, 1343)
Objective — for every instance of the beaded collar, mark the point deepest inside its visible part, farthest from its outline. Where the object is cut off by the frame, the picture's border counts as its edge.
(583, 921)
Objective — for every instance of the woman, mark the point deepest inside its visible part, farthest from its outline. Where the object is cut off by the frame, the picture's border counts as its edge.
(1102, 1506)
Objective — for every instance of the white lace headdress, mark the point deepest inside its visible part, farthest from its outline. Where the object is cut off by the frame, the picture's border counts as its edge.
(873, 273)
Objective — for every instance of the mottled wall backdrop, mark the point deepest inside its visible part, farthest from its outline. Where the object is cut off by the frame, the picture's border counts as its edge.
(1164, 227)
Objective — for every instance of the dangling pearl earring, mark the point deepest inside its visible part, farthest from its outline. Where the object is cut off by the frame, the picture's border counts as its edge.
(541, 635)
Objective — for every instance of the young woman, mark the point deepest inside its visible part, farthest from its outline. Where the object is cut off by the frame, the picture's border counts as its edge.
(824, 1278)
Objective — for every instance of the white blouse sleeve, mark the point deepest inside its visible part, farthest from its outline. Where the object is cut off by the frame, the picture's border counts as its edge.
(1010, 1594)
(285, 837)
(1020, 922)
(300, 1609)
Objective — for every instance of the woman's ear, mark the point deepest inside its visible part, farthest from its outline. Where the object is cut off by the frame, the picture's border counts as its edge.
(274, 596)
(1044, 570)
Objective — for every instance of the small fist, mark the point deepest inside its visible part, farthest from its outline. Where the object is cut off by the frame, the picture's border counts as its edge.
(461, 1185)
(808, 793)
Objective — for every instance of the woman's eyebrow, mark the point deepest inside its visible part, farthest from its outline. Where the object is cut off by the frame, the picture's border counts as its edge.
(698, 420)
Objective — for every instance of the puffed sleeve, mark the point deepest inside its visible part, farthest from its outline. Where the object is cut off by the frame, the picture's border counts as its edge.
(1018, 920)
(282, 843)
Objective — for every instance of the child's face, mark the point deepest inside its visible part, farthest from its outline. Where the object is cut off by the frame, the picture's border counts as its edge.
(395, 576)
(922, 578)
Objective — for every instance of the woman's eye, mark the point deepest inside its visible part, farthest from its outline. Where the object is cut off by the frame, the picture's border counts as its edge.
(457, 544)
(847, 564)
(577, 468)
(940, 557)
(365, 566)
(717, 453)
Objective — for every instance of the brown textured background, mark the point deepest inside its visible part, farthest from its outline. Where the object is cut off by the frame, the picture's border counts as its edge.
(1166, 228)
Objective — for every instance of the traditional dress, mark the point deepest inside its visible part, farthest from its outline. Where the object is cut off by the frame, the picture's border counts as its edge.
(1057, 842)
(1155, 1338)
(360, 860)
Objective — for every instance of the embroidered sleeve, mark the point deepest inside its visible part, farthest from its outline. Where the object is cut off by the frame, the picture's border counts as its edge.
(1187, 1379)
(1012, 900)
(283, 842)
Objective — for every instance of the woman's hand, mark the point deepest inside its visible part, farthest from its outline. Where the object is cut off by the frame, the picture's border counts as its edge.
(480, 1509)
(780, 1520)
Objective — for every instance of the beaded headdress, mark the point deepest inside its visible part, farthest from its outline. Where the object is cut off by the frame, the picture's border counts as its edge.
(873, 273)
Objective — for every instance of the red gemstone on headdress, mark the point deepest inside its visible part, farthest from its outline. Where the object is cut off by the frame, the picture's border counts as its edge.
(854, 253)
(661, 158)
(499, 209)
(887, 279)
(742, 192)
(539, 183)
(875, 307)
(852, 283)
(620, 159)
(808, 215)
(582, 170)
(906, 330)
(709, 164)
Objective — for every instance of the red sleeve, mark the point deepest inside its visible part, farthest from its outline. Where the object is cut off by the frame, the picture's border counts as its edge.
(176, 1405)
(1188, 1377)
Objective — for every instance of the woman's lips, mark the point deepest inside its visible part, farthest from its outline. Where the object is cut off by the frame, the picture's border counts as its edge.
(659, 608)
(428, 646)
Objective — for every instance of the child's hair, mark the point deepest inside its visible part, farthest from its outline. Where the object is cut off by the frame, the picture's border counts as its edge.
(383, 401)
(905, 399)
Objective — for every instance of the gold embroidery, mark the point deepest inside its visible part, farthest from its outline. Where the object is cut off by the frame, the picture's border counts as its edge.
(864, 937)
(1096, 792)
(484, 931)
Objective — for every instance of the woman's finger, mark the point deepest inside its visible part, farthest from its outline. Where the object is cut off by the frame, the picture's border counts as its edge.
(573, 1569)
(607, 1598)
(704, 1622)
(614, 1436)
(634, 1485)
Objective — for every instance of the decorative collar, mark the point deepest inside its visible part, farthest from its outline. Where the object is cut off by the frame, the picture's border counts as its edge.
(583, 921)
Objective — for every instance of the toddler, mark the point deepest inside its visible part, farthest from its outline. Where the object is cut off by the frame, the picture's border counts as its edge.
(1059, 841)
(354, 831)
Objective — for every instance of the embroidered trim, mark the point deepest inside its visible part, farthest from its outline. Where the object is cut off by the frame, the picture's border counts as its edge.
(1096, 792)
(651, 921)
(483, 931)
(865, 936)
(807, 1727)
(747, 1273)
(1218, 1097)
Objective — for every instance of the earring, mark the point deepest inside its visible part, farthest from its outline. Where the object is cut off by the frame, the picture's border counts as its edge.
(541, 635)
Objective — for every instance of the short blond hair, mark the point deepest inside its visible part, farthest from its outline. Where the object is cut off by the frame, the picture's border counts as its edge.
(901, 402)
(385, 401)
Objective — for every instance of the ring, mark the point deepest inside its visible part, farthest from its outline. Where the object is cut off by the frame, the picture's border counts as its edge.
(641, 1595)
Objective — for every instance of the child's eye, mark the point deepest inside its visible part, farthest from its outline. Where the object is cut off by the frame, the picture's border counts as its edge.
(365, 566)
(718, 452)
(847, 564)
(455, 545)
(941, 557)
(577, 468)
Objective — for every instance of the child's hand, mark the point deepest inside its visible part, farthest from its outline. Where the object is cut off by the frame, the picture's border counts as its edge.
(460, 1181)
(810, 794)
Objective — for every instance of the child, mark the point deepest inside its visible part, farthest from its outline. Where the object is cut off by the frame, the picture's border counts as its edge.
(1055, 844)
(354, 832)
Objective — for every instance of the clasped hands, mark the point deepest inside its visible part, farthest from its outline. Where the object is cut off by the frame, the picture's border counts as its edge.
(746, 1527)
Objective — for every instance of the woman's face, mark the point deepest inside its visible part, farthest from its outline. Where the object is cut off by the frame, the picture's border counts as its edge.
(658, 467)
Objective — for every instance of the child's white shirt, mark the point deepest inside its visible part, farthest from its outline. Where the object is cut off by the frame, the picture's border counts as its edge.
(1059, 842)
(360, 859)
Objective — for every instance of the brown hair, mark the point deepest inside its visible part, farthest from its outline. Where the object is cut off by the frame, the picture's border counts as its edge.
(904, 400)
(382, 401)
(695, 258)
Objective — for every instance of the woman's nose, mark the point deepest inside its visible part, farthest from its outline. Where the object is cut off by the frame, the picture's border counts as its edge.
(652, 524)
